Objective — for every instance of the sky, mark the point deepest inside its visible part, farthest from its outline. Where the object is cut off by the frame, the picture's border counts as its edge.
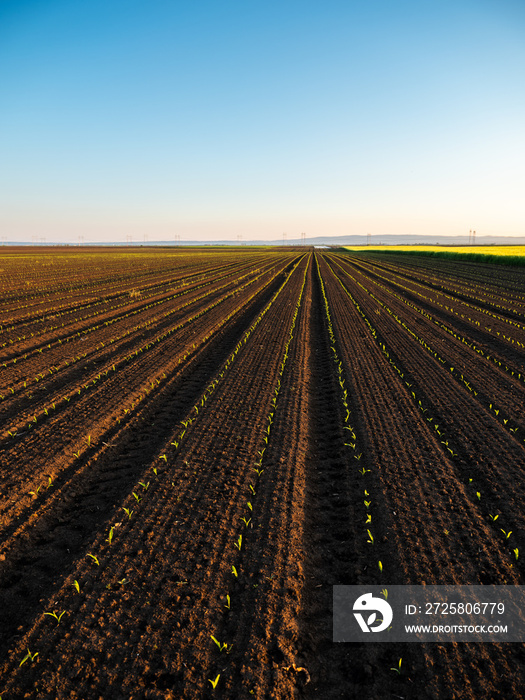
(145, 120)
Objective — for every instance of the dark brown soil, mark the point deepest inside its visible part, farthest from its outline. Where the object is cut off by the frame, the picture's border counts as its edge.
(175, 469)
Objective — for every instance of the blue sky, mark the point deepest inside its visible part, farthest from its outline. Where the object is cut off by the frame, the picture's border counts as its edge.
(222, 119)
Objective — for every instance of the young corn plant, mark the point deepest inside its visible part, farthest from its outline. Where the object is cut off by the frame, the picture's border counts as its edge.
(29, 657)
(397, 668)
(214, 682)
(57, 617)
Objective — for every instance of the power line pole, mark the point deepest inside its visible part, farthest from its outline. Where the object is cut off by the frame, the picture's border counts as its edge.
(303, 238)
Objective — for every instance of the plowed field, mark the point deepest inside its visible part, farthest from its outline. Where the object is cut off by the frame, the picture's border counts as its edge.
(196, 445)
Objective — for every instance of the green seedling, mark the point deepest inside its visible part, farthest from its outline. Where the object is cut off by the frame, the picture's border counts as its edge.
(380, 565)
(478, 495)
(384, 593)
(29, 656)
(110, 536)
(128, 512)
(227, 604)
(367, 503)
(234, 572)
(397, 668)
(57, 617)
(145, 486)
(34, 493)
(222, 647)
(163, 457)
(214, 683)
(88, 440)
(95, 559)
(76, 586)
(138, 498)
(507, 534)
(155, 470)
(363, 471)
(258, 471)
(368, 519)
(50, 482)
(516, 553)
(238, 544)
(371, 537)
(252, 489)
(246, 522)
(493, 517)
(249, 505)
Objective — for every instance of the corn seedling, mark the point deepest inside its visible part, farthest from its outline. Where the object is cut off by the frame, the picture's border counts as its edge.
(397, 668)
(507, 534)
(384, 593)
(493, 517)
(234, 572)
(478, 495)
(238, 544)
(95, 559)
(227, 604)
(29, 656)
(249, 505)
(76, 586)
(128, 512)
(380, 565)
(110, 536)
(246, 522)
(222, 647)
(138, 498)
(252, 489)
(371, 537)
(214, 683)
(145, 486)
(516, 553)
(163, 457)
(57, 617)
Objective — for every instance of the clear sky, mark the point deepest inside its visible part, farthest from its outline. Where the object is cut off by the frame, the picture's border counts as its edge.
(209, 119)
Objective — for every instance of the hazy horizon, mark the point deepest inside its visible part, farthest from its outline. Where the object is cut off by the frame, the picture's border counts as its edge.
(210, 121)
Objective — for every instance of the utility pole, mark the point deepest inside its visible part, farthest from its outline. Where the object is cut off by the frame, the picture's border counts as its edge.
(303, 238)
(177, 239)
(129, 239)
(473, 238)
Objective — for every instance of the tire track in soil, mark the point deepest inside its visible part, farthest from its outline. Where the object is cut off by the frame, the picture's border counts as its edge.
(34, 568)
(333, 540)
